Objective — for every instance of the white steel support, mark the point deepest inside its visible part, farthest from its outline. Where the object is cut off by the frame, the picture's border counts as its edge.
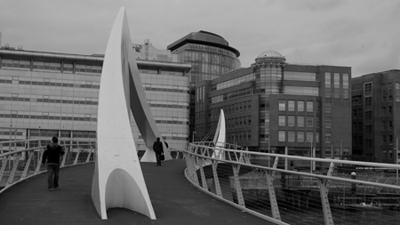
(190, 162)
(239, 193)
(14, 169)
(25, 172)
(324, 189)
(64, 158)
(271, 191)
(3, 167)
(89, 155)
(202, 175)
(77, 156)
(39, 161)
(216, 178)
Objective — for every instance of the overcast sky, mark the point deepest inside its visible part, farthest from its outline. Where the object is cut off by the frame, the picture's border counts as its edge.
(362, 34)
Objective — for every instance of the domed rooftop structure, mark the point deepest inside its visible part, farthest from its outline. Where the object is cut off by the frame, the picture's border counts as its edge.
(270, 57)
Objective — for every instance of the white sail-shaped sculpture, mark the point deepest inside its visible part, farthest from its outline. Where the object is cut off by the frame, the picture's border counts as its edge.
(118, 179)
(220, 137)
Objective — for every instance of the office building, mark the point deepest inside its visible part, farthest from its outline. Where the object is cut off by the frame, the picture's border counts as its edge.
(210, 56)
(44, 94)
(376, 120)
(273, 105)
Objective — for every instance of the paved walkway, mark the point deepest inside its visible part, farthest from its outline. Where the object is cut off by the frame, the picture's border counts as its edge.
(175, 201)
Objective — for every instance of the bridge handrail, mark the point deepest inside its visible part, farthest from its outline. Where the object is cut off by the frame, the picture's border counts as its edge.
(25, 163)
(199, 156)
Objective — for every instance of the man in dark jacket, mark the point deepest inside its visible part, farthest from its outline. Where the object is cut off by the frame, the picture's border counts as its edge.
(158, 149)
(53, 154)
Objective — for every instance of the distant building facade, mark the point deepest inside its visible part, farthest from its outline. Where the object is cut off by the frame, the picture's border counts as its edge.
(376, 120)
(44, 94)
(210, 56)
(274, 105)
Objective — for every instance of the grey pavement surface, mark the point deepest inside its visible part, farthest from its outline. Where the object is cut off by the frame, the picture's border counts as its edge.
(174, 199)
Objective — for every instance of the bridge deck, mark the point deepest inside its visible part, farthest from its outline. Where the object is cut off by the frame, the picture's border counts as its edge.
(174, 199)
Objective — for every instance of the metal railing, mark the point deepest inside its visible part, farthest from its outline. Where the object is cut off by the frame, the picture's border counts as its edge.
(21, 159)
(295, 189)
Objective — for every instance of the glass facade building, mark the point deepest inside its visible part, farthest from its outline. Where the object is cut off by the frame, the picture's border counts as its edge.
(45, 94)
(274, 105)
(210, 56)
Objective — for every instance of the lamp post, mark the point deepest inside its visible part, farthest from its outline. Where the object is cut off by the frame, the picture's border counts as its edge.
(397, 158)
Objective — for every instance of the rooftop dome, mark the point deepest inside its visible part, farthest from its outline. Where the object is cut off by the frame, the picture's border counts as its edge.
(270, 56)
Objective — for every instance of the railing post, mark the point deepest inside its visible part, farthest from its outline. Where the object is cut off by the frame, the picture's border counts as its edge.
(39, 162)
(202, 175)
(77, 154)
(64, 159)
(286, 159)
(239, 193)
(191, 168)
(216, 178)
(271, 191)
(28, 163)
(3, 167)
(15, 166)
(324, 189)
(90, 154)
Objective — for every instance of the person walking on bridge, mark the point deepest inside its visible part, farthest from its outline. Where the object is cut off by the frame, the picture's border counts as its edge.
(159, 150)
(52, 154)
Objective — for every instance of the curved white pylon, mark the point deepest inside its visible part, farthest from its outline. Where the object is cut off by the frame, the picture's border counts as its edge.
(118, 179)
(220, 137)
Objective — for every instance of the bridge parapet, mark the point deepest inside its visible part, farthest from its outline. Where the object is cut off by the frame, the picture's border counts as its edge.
(287, 189)
(21, 159)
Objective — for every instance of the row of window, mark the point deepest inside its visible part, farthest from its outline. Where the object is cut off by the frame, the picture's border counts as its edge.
(49, 116)
(175, 89)
(61, 67)
(238, 107)
(173, 105)
(296, 105)
(298, 136)
(231, 95)
(46, 82)
(340, 85)
(47, 99)
(302, 121)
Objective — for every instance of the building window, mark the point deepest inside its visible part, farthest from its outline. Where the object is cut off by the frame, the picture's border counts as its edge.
(282, 136)
(300, 136)
(328, 107)
(291, 105)
(300, 106)
(336, 85)
(328, 123)
(328, 138)
(310, 137)
(300, 121)
(282, 105)
(328, 85)
(397, 92)
(291, 121)
(291, 136)
(310, 106)
(282, 121)
(345, 86)
(310, 121)
(367, 89)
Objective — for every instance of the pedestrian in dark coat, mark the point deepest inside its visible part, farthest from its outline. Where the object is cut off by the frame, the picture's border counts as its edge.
(159, 150)
(52, 155)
